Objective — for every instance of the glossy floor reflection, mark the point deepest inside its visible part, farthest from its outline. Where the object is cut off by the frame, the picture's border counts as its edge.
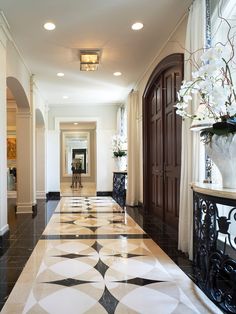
(25, 232)
(165, 236)
(100, 261)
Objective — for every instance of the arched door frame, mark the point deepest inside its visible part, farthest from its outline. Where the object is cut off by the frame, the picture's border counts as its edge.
(170, 61)
(26, 202)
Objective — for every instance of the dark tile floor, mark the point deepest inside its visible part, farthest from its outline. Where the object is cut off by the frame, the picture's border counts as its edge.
(26, 230)
(15, 250)
(165, 236)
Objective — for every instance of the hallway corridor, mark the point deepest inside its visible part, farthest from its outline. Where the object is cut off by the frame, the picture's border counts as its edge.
(94, 258)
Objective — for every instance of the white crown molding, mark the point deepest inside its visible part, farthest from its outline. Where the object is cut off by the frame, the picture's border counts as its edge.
(5, 30)
(58, 120)
(59, 105)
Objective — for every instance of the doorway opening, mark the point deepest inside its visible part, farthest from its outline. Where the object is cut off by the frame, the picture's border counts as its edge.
(78, 144)
(11, 146)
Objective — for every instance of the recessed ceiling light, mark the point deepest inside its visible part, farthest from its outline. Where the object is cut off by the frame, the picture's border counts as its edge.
(65, 97)
(49, 26)
(137, 26)
(117, 73)
(60, 74)
(75, 123)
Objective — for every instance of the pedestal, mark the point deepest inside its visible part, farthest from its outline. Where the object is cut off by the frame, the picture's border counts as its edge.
(119, 187)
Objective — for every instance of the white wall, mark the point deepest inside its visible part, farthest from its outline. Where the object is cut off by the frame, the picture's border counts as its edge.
(53, 161)
(105, 162)
(105, 116)
(175, 44)
(106, 113)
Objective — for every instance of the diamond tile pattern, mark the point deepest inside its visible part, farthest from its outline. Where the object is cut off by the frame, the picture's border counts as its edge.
(98, 260)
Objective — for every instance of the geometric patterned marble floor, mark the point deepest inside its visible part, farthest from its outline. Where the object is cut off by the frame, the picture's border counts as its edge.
(93, 258)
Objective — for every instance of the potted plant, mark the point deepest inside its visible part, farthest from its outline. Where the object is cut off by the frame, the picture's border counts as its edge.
(213, 84)
(119, 144)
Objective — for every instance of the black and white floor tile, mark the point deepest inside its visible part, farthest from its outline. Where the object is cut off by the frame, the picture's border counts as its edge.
(101, 261)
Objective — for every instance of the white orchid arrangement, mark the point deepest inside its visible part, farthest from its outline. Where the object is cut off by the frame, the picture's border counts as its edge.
(119, 144)
(213, 83)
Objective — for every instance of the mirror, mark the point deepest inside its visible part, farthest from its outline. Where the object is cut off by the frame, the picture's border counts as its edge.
(76, 147)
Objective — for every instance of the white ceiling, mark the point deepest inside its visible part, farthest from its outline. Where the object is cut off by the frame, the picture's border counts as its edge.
(87, 24)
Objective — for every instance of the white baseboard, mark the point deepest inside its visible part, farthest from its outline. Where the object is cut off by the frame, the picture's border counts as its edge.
(41, 195)
(11, 194)
(24, 208)
(4, 229)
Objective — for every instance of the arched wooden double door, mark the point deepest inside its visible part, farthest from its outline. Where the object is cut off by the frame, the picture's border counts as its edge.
(162, 140)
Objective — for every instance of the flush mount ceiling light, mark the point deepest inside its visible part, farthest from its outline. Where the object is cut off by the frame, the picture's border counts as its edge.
(117, 73)
(49, 26)
(89, 60)
(60, 74)
(137, 26)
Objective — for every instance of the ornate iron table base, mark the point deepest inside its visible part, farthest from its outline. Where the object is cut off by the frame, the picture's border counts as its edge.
(215, 249)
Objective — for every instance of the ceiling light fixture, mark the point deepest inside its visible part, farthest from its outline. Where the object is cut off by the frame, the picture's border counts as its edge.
(65, 97)
(49, 26)
(60, 74)
(75, 123)
(137, 26)
(89, 60)
(117, 73)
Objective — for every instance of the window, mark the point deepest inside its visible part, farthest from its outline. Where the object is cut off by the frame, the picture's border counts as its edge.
(219, 30)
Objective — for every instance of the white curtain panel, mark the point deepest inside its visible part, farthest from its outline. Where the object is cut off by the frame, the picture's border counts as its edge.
(133, 149)
(191, 146)
(118, 121)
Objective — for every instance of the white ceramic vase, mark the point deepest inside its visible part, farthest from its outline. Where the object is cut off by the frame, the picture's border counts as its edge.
(120, 163)
(222, 151)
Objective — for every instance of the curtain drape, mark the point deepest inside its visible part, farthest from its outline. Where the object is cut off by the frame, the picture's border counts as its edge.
(133, 149)
(191, 160)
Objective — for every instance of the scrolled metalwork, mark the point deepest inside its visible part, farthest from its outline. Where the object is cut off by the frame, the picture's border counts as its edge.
(215, 249)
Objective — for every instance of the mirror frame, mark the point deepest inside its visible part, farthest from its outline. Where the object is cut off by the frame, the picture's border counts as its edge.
(64, 152)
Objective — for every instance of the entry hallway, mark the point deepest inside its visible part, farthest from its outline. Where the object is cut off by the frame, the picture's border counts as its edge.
(94, 258)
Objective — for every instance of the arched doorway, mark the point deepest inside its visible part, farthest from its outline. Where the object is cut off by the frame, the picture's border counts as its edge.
(11, 145)
(162, 140)
(24, 148)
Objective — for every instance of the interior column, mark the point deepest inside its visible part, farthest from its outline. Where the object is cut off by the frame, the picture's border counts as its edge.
(25, 165)
(40, 163)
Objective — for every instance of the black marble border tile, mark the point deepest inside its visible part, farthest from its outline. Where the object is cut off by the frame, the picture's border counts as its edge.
(104, 193)
(52, 196)
(91, 212)
(93, 236)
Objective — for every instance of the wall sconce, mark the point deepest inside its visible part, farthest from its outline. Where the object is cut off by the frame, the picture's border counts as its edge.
(89, 60)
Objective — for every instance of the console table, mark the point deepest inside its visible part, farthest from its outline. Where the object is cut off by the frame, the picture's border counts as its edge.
(119, 187)
(214, 246)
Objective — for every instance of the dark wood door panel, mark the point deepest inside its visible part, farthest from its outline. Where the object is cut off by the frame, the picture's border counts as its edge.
(172, 150)
(172, 201)
(162, 141)
(157, 208)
